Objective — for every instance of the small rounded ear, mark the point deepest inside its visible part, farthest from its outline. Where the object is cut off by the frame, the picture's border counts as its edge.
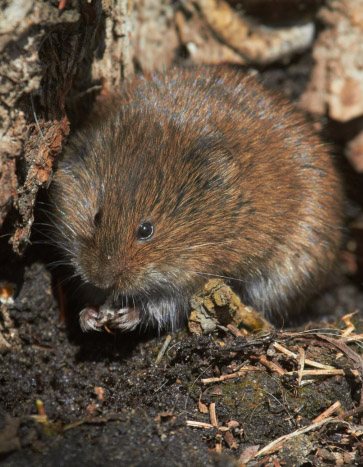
(97, 217)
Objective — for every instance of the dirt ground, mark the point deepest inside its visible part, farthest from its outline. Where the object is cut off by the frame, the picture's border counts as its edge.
(69, 398)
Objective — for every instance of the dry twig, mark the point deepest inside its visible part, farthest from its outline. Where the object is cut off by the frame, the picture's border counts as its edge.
(333, 408)
(163, 350)
(213, 415)
(195, 424)
(241, 372)
(301, 365)
(308, 362)
(325, 372)
(349, 325)
(271, 365)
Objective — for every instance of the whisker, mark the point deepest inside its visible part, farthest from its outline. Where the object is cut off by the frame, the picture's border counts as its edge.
(45, 204)
(69, 279)
(42, 224)
(219, 275)
(183, 248)
(57, 263)
(208, 244)
(36, 119)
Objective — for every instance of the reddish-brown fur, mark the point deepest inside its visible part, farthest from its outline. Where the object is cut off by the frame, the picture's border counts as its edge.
(234, 180)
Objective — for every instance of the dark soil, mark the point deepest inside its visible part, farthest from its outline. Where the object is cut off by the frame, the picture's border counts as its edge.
(106, 402)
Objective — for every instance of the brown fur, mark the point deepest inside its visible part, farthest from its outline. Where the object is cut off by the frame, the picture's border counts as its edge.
(234, 180)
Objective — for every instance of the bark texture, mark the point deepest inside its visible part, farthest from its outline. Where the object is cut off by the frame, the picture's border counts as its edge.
(51, 59)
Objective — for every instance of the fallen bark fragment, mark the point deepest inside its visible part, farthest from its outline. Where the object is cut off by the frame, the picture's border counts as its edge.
(214, 32)
(336, 85)
(217, 305)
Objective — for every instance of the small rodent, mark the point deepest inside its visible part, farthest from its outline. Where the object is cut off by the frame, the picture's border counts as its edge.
(191, 174)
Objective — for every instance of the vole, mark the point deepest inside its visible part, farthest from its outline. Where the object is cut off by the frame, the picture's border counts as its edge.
(192, 174)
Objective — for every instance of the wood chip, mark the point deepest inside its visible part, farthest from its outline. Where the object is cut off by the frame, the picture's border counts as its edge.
(229, 439)
(233, 424)
(40, 408)
(202, 407)
(100, 392)
(216, 391)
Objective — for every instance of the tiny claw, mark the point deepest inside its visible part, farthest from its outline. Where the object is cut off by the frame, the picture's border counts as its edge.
(125, 319)
(89, 319)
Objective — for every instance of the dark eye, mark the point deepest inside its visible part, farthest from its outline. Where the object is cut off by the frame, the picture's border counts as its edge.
(97, 218)
(145, 231)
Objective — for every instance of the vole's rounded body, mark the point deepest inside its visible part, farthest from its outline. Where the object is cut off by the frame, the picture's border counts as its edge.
(228, 179)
